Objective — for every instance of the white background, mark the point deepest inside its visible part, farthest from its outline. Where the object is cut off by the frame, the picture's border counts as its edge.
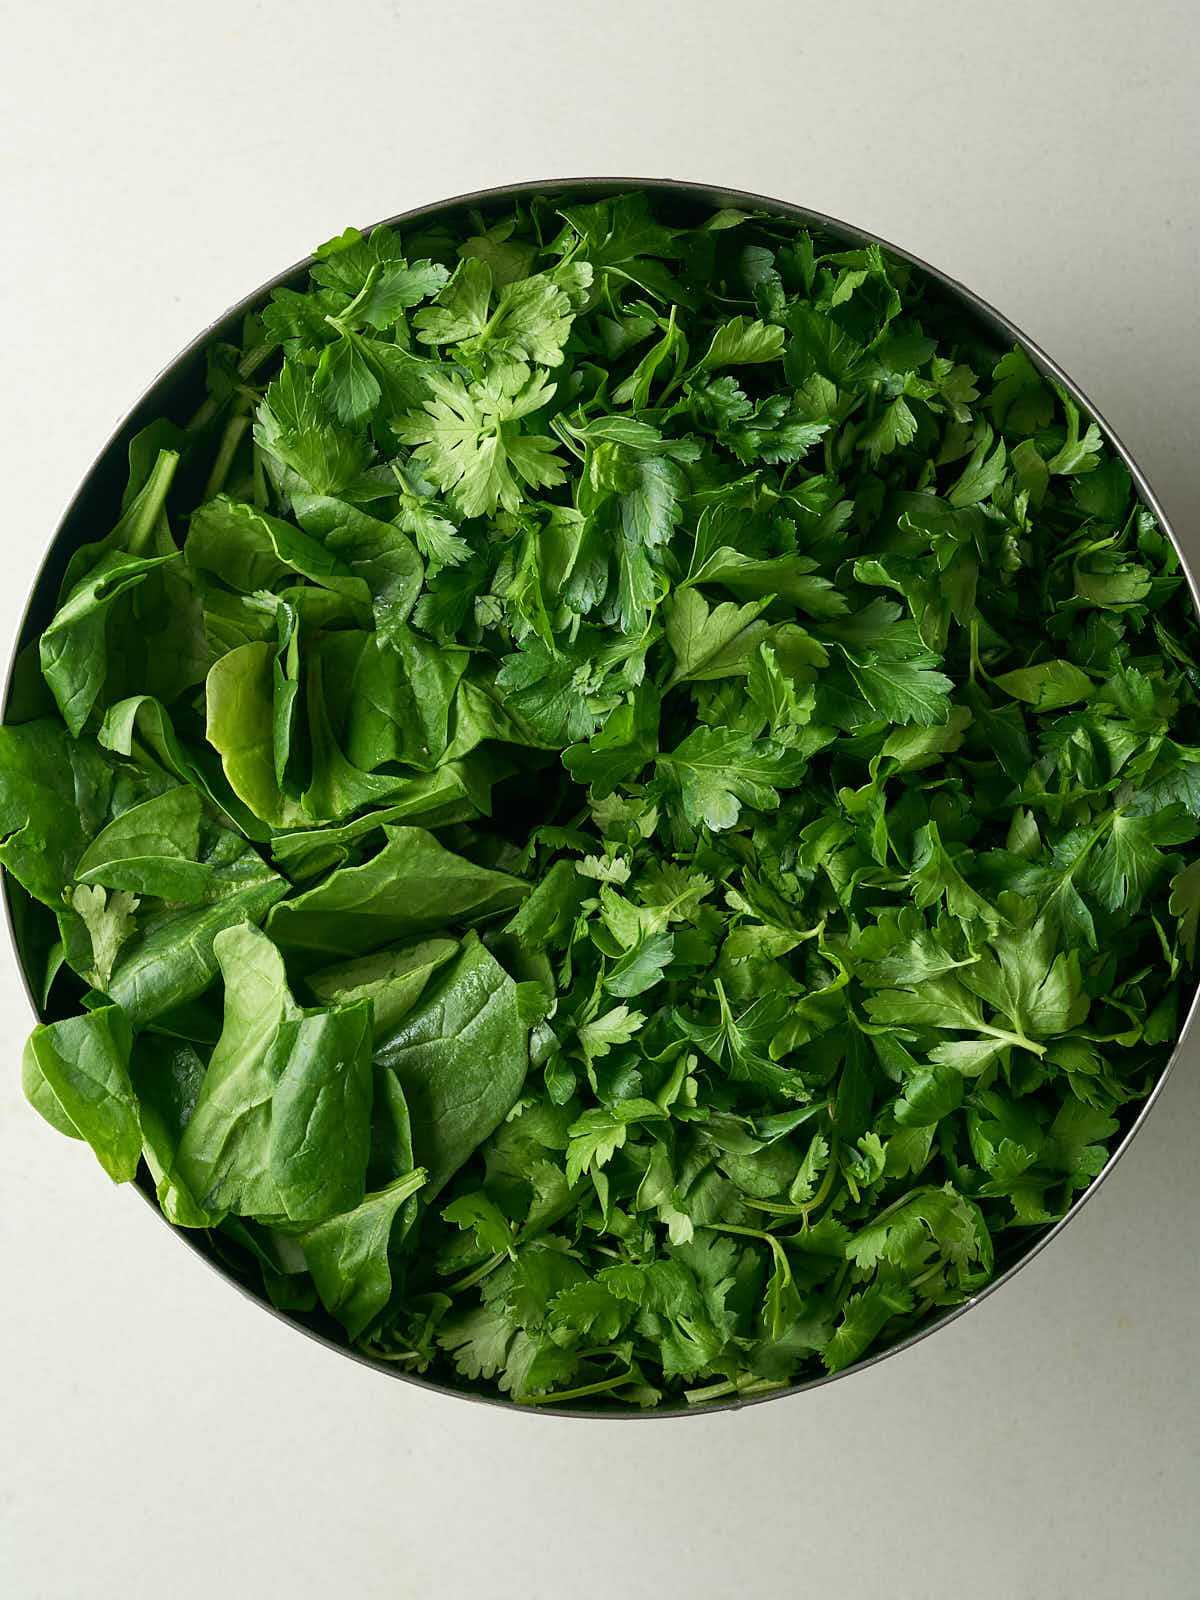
(161, 1436)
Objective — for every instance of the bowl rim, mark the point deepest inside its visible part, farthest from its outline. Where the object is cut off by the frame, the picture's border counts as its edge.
(593, 188)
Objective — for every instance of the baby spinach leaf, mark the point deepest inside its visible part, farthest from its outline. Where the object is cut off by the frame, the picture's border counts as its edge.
(167, 1075)
(74, 648)
(171, 958)
(461, 1057)
(348, 1254)
(55, 794)
(240, 695)
(151, 849)
(83, 1064)
(250, 550)
(414, 885)
(281, 1125)
(392, 980)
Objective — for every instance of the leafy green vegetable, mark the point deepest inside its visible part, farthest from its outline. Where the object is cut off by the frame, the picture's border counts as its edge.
(414, 885)
(636, 836)
(81, 1067)
(460, 1056)
(281, 1125)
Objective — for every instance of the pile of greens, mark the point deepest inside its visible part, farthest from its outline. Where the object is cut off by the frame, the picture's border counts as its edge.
(612, 813)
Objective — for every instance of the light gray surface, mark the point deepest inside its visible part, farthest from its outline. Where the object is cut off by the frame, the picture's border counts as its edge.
(163, 1437)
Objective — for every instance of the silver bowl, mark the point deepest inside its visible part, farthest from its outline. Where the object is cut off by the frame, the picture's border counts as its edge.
(176, 392)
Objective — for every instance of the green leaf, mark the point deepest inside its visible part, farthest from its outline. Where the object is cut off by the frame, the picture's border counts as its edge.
(742, 1043)
(864, 1317)
(151, 849)
(240, 699)
(460, 1057)
(641, 967)
(109, 921)
(492, 1229)
(790, 577)
(620, 750)
(82, 1066)
(717, 773)
(904, 691)
(249, 550)
(1079, 453)
(392, 980)
(742, 341)
(1185, 904)
(929, 1096)
(604, 1033)
(982, 474)
(345, 381)
(468, 439)
(75, 646)
(414, 885)
(55, 793)
(1131, 857)
(281, 1125)
(349, 1255)
(893, 428)
(295, 432)
(1048, 686)
(166, 1075)
(712, 644)
(171, 959)
(377, 554)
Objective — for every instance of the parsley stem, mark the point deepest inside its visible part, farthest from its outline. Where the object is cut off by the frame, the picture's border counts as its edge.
(822, 1194)
(731, 1227)
(259, 478)
(226, 450)
(246, 367)
(1017, 1039)
(578, 1394)
(254, 358)
(738, 1386)
(479, 1273)
(349, 314)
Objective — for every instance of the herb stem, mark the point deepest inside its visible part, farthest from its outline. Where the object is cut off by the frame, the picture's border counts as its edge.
(142, 527)
(478, 1274)
(246, 368)
(738, 1386)
(234, 432)
(1017, 1039)
(580, 1392)
(822, 1194)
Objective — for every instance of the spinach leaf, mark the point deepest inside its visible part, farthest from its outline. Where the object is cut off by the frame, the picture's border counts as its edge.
(460, 1056)
(414, 885)
(171, 958)
(74, 648)
(281, 1124)
(77, 1073)
(167, 1075)
(348, 1255)
(392, 980)
(55, 794)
